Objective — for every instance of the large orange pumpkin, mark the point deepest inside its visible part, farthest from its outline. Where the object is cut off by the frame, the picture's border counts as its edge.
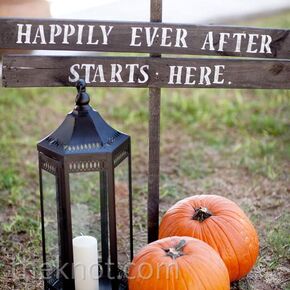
(220, 223)
(179, 263)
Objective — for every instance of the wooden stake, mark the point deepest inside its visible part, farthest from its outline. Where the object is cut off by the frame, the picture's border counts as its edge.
(154, 143)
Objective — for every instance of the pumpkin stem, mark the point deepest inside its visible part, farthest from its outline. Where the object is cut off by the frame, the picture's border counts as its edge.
(176, 251)
(201, 214)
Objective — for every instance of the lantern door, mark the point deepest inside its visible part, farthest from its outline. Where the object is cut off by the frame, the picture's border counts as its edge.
(89, 205)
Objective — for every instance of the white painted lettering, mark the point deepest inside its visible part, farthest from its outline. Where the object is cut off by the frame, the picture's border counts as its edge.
(223, 41)
(132, 71)
(80, 34)
(265, 44)
(239, 37)
(166, 37)
(68, 31)
(116, 73)
(189, 75)
(205, 72)
(55, 30)
(99, 73)
(134, 36)
(175, 76)
(144, 73)
(150, 37)
(74, 73)
(106, 33)
(181, 35)
(87, 68)
(208, 42)
(39, 34)
(90, 36)
(218, 74)
(26, 34)
(251, 43)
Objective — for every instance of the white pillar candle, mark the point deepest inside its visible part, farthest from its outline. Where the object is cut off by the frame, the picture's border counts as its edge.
(85, 249)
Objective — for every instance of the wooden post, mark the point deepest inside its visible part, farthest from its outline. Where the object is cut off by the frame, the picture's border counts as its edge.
(154, 143)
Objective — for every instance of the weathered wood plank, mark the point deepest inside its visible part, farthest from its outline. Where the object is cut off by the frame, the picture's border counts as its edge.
(49, 71)
(79, 35)
(154, 142)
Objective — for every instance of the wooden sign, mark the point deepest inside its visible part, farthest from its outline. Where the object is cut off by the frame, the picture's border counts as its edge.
(77, 35)
(49, 71)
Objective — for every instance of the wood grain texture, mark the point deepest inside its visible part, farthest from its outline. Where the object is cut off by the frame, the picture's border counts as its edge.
(120, 37)
(154, 142)
(49, 71)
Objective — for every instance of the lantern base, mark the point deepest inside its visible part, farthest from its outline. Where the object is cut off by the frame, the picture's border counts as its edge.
(55, 283)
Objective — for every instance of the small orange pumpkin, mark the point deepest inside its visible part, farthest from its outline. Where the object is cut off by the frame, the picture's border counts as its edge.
(220, 223)
(179, 263)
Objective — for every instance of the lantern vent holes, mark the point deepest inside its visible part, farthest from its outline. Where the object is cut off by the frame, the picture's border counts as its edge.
(113, 138)
(53, 141)
(82, 166)
(82, 147)
(49, 167)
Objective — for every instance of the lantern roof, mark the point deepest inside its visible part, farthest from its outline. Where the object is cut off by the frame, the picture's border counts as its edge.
(83, 131)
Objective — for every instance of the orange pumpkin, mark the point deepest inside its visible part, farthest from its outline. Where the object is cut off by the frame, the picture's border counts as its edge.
(220, 223)
(179, 263)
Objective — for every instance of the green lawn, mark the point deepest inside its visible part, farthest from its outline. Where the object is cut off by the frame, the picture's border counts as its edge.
(235, 143)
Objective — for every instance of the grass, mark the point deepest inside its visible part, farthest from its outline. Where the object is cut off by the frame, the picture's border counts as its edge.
(279, 239)
(229, 142)
(255, 128)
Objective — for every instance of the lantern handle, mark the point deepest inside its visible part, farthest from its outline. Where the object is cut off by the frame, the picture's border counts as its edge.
(81, 85)
(82, 97)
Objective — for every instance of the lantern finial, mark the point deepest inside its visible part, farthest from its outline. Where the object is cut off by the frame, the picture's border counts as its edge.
(82, 97)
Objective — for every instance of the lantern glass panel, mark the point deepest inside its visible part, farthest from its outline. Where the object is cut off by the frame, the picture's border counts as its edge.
(50, 221)
(122, 214)
(85, 205)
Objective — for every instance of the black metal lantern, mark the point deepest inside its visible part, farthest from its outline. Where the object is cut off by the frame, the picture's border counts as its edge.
(79, 166)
